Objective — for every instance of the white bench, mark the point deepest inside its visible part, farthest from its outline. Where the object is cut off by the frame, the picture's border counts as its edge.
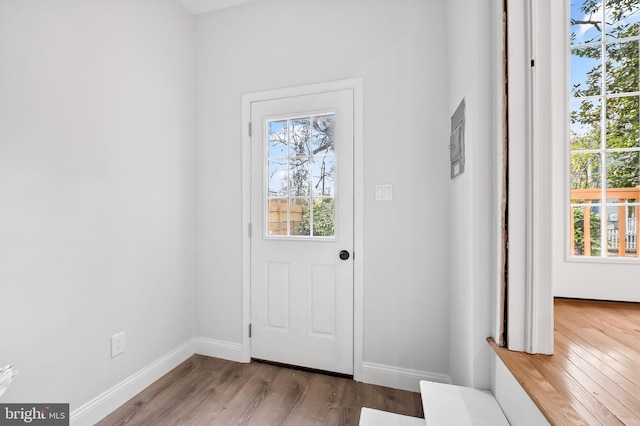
(444, 405)
(460, 406)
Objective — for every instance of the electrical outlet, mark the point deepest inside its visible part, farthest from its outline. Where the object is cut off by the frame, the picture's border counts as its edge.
(117, 344)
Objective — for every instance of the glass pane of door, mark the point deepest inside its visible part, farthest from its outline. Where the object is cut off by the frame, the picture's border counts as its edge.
(604, 96)
(300, 174)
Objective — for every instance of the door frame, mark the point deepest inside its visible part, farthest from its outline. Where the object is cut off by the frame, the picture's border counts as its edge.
(356, 85)
(530, 113)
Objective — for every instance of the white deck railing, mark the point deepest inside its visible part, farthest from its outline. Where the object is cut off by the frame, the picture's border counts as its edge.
(630, 240)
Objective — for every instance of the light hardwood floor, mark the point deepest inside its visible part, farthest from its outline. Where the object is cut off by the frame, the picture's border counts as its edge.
(211, 391)
(593, 377)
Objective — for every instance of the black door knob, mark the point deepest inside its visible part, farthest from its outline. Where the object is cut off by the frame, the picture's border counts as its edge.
(344, 255)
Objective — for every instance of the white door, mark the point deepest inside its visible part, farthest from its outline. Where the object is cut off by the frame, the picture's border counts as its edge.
(598, 156)
(302, 231)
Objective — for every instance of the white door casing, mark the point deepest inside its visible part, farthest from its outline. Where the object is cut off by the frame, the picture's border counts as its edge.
(530, 301)
(302, 294)
(531, 310)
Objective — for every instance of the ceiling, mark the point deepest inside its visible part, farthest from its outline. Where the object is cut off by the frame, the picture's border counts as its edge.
(197, 7)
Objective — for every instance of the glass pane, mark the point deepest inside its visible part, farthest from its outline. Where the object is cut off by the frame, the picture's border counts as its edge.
(277, 177)
(586, 231)
(277, 144)
(586, 196)
(323, 217)
(622, 169)
(323, 128)
(301, 165)
(585, 171)
(586, 22)
(586, 71)
(622, 18)
(324, 172)
(299, 137)
(611, 155)
(585, 128)
(300, 217)
(622, 122)
(621, 230)
(622, 67)
(299, 176)
(277, 216)
(630, 222)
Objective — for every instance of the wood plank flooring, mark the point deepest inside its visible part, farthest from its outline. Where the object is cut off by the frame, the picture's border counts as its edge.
(211, 391)
(593, 377)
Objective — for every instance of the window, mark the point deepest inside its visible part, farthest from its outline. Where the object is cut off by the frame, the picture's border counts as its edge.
(300, 199)
(604, 169)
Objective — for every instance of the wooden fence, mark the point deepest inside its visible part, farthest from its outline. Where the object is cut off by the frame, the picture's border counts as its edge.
(628, 225)
(278, 217)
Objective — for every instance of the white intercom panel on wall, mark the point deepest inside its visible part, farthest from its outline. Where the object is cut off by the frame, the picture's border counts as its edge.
(456, 141)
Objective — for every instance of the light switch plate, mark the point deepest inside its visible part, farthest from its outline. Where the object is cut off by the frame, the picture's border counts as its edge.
(384, 192)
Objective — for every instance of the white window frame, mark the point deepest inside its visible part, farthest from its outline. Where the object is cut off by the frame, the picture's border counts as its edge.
(602, 152)
(311, 197)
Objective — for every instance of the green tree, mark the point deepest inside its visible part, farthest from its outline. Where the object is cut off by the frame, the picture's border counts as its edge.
(622, 112)
(578, 234)
(323, 219)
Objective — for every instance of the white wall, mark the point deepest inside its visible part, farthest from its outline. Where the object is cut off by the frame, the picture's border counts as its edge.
(395, 47)
(97, 110)
(474, 54)
(98, 193)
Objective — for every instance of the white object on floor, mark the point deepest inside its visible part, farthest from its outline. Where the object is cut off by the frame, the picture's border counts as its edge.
(452, 405)
(371, 417)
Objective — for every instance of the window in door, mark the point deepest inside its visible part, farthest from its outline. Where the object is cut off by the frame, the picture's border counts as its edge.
(604, 169)
(301, 170)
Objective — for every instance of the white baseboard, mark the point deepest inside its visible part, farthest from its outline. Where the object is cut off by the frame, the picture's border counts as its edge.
(397, 377)
(220, 349)
(99, 407)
